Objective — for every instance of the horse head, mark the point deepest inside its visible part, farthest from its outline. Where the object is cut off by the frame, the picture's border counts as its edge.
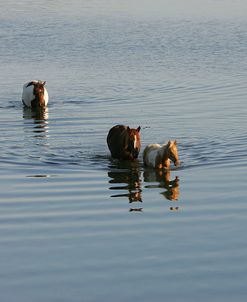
(134, 141)
(39, 93)
(173, 152)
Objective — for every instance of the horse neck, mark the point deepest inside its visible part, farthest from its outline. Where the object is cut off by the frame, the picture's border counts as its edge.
(40, 99)
(126, 140)
(164, 154)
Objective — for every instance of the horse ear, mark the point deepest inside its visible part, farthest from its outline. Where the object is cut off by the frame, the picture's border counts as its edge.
(128, 129)
(44, 82)
(138, 129)
(169, 143)
(175, 143)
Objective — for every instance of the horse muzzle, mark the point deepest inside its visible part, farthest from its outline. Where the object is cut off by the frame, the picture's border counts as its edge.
(135, 153)
(177, 163)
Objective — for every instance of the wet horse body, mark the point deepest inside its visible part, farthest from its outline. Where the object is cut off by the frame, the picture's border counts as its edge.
(35, 95)
(160, 156)
(123, 142)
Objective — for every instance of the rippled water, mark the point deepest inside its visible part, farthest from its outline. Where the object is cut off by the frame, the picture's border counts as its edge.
(76, 225)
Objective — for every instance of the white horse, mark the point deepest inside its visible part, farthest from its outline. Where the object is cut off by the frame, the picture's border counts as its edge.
(35, 94)
(159, 156)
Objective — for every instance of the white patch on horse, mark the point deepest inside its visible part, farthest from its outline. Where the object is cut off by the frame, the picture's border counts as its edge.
(28, 95)
(152, 153)
(152, 157)
(46, 96)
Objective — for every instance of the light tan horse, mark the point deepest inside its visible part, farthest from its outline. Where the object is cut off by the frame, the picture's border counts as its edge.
(160, 156)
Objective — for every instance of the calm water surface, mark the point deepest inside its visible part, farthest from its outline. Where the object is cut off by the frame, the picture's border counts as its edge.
(76, 225)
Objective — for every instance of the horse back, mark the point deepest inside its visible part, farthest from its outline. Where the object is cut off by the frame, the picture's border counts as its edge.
(117, 140)
(151, 155)
(27, 94)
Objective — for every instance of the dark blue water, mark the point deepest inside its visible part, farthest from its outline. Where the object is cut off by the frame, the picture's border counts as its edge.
(76, 225)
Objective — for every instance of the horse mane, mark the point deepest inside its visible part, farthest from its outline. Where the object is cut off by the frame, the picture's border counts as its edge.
(163, 154)
(164, 149)
(31, 83)
(36, 83)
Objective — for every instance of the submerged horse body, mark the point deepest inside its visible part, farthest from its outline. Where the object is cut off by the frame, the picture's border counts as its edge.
(160, 156)
(34, 94)
(123, 142)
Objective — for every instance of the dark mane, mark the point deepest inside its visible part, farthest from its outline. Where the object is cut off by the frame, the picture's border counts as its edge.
(31, 83)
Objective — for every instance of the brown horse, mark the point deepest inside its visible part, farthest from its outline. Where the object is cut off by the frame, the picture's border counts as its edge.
(124, 143)
(157, 156)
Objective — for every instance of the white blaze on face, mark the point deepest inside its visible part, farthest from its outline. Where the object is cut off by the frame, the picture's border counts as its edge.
(135, 142)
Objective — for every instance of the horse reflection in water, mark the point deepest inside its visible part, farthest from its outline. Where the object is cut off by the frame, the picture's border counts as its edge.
(40, 120)
(36, 135)
(127, 180)
(163, 177)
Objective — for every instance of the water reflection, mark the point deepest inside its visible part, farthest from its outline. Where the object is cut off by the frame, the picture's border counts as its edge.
(125, 176)
(40, 120)
(163, 180)
(39, 176)
(128, 181)
(135, 210)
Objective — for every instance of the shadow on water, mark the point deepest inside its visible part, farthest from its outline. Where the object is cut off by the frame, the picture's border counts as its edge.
(131, 179)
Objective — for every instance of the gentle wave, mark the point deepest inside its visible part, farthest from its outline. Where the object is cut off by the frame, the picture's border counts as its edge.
(79, 226)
